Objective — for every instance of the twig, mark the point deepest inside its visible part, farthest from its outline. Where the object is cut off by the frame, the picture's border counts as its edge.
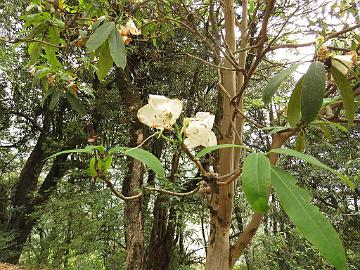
(177, 194)
(117, 193)
(194, 159)
(17, 40)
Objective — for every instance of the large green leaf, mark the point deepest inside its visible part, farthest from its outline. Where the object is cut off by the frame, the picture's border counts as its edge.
(92, 168)
(144, 156)
(105, 61)
(312, 92)
(256, 180)
(34, 51)
(100, 36)
(314, 161)
(54, 99)
(294, 105)
(275, 83)
(117, 49)
(210, 149)
(331, 124)
(88, 149)
(308, 219)
(346, 92)
(75, 103)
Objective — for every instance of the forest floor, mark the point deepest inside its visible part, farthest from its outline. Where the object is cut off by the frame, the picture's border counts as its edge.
(6, 266)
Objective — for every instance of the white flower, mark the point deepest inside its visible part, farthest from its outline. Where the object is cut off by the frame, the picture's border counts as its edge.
(198, 132)
(161, 112)
(131, 28)
(343, 63)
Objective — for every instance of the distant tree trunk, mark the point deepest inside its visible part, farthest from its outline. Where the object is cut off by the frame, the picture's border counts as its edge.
(21, 221)
(133, 181)
(162, 241)
(161, 244)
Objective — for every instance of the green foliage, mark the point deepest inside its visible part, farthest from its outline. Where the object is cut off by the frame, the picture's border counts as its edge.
(210, 149)
(275, 83)
(312, 92)
(307, 218)
(256, 180)
(117, 49)
(100, 35)
(105, 61)
(294, 105)
(314, 161)
(75, 103)
(144, 156)
(346, 92)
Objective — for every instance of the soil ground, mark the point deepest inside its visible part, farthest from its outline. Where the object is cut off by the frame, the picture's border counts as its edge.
(6, 266)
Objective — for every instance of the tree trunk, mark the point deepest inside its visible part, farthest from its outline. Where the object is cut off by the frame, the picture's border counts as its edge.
(160, 249)
(218, 256)
(162, 236)
(133, 181)
(21, 220)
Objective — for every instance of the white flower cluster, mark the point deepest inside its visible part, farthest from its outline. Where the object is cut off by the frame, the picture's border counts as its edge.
(162, 112)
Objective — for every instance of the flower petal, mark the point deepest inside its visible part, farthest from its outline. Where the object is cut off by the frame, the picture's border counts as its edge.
(147, 115)
(206, 118)
(130, 25)
(212, 139)
(190, 143)
(161, 112)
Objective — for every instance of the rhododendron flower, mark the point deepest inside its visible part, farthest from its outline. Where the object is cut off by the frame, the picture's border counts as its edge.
(343, 63)
(160, 112)
(198, 131)
(130, 28)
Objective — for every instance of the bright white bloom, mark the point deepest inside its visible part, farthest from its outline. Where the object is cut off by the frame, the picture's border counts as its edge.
(131, 28)
(343, 63)
(198, 132)
(161, 112)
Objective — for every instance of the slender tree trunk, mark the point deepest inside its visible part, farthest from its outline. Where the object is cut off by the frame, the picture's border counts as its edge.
(133, 216)
(160, 249)
(218, 256)
(133, 181)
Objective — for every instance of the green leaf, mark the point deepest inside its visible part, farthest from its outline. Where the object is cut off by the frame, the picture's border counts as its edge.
(256, 180)
(100, 36)
(88, 149)
(144, 156)
(54, 99)
(275, 83)
(209, 149)
(34, 51)
(75, 103)
(332, 124)
(313, 90)
(346, 93)
(117, 49)
(325, 131)
(300, 142)
(50, 53)
(251, 7)
(105, 61)
(107, 163)
(314, 161)
(294, 105)
(92, 169)
(308, 219)
(275, 129)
